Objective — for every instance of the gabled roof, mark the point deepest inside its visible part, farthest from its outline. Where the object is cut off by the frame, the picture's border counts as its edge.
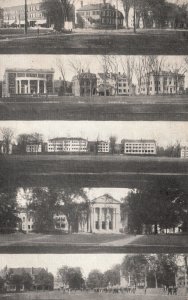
(106, 199)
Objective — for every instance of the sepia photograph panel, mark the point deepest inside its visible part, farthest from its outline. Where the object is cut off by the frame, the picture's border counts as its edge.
(103, 276)
(72, 187)
(95, 87)
(94, 26)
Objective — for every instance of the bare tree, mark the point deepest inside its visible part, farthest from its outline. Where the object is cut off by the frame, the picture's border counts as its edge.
(128, 64)
(79, 65)
(7, 136)
(109, 65)
(127, 5)
(178, 70)
(61, 66)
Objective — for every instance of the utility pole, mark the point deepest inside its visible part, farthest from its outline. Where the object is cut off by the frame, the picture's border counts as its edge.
(25, 16)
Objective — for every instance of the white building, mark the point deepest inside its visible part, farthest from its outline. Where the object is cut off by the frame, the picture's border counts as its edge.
(27, 221)
(104, 217)
(162, 83)
(184, 152)
(123, 85)
(139, 147)
(69, 145)
(103, 147)
(28, 82)
(34, 148)
(60, 222)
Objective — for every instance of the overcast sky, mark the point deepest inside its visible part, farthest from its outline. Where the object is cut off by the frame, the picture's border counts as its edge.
(87, 62)
(116, 193)
(87, 262)
(164, 133)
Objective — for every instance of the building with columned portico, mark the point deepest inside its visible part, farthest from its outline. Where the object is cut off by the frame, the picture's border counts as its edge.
(28, 82)
(104, 216)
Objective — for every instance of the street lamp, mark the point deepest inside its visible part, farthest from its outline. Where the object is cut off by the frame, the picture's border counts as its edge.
(25, 16)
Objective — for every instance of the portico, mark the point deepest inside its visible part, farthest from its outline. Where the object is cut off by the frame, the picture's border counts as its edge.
(31, 86)
(104, 216)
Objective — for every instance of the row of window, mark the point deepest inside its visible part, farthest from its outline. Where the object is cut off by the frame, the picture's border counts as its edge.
(110, 21)
(139, 151)
(123, 91)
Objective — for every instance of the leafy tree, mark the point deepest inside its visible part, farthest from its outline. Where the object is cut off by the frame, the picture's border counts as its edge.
(1, 284)
(95, 279)
(8, 208)
(71, 277)
(170, 150)
(135, 266)
(44, 280)
(158, 203)
(58, 11)
(112, 276)
(46, 202)
(24, 139)
(27, 280)
(167, 269)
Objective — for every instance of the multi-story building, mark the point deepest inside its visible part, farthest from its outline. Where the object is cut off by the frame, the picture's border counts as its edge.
(107, 84)
(104, 216)
(68, 145)
(28, 82)
(84, 84)
(184, 152)
(124, 87)
(103, 147)
(139, 147)
(34, 148)
(161, 83)
(15, 15)
(101, 15)
(27, 220)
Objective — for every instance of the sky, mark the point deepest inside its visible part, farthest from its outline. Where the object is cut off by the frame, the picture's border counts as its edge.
(87, 62)
(53, 262)
(165, 133)
(92, 193)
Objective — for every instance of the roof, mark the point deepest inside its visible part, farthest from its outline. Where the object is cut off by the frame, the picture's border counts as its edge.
(66, 138)
(166, 73)
(138, 141)
(106, 198)
(108, 76)
(30, 70)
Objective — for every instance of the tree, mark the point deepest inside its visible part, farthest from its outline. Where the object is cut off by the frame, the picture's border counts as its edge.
(2, 282)
(135, 266)
(170, 150)
(44, 280)
(112, 276)
(8, 208)
(7, 136)
(113, 140)
(24, 139)
(71, 277)
(46, 202)
(127, 4)
(61, 67)
(58, 11)
(95, 279)
(157, 204)
(167, 269)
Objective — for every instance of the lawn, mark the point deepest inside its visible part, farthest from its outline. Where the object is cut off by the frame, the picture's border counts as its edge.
(97, 108)
(92, 243)
(58, 295)
(144, 42)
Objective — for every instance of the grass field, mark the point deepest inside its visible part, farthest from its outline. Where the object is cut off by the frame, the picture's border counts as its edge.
(96, 108)
(101, 42)
(58, 295)
(92, 243)
(90, 171)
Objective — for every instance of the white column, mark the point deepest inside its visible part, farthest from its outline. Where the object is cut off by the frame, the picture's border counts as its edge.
(99, 219)
(38, 86)
(45, 88)
(17, 82)
(29, 87)
(20, 86)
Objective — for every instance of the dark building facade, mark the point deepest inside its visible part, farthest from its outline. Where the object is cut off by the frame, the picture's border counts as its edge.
(84, 84)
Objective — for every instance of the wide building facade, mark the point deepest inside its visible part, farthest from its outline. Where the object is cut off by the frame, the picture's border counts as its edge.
(139, 147)
(84, 85)
(28, 82)
(68, 145)
(15, 15)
